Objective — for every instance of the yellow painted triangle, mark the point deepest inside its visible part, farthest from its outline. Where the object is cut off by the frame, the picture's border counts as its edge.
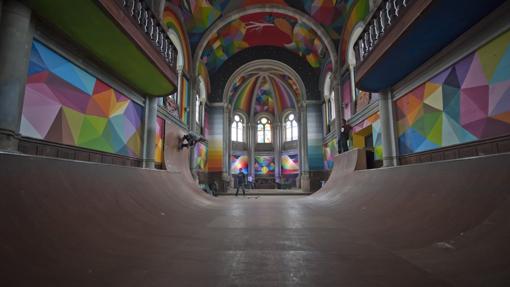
(435, 99)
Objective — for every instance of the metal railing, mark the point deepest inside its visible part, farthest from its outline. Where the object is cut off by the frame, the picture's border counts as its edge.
(150, 25)
(383, 18)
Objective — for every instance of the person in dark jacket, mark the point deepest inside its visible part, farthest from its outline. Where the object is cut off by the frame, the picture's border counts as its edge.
(345, 133)
(241, 179)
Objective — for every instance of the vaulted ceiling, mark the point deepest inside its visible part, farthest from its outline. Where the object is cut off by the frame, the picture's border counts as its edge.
(309, 28)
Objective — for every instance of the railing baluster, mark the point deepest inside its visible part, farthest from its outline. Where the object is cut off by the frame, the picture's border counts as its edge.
(382, 19)
(150, 26)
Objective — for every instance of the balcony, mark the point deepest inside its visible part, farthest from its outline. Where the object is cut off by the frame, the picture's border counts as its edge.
(401, 35)
(123, 36)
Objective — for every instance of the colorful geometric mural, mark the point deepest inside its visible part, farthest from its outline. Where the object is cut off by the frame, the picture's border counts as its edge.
(264, 165)
(272, 91)
(330, 150)
(264, 100)
(467, 101)
(65, 104)
(314, 120)
(214, 136)
(200, 15)
(160, 134)
(239, 161)
(377, 140)
(290, 163)
(200, 157)
(263, 29)
(371, 126)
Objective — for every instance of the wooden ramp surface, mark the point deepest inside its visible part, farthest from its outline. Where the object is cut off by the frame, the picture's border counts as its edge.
(67, 223)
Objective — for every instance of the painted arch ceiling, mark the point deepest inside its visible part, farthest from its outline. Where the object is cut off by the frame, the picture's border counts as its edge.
(262, 28)
(270, 91)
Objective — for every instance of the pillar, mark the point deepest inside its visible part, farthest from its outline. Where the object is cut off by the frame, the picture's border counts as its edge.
(277, 151)
(303, 146)
(387, 130)
(252, 139)
(353, 89)
(339, 101)
(151, 112)
(16, 33)
(226, 143)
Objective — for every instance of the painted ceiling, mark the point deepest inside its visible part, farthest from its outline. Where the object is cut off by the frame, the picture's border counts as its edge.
(278, 29)
(258, 92)
(263, 29)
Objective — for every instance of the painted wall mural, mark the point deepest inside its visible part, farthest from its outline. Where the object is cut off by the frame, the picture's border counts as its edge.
(200, 157)
(172, 22)
(160, 135)
(65, 104)
(466, 102)
(215, 138)
(330, 150)
(290, 163)
(239, 161)
(264, 99)
(263, 29)
(272, 91)
(199, 15)
(358, 13)
(264, 165)
(314, 121)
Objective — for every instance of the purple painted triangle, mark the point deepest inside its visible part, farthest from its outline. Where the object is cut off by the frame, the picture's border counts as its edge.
(475, 77)
(499, 100)
(474, 104)
(68, 95)
(494, 128)
(476, 127)
(462, 68)
(441, 77)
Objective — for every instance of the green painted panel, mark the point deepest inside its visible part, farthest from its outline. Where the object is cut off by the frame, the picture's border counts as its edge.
(85, 23)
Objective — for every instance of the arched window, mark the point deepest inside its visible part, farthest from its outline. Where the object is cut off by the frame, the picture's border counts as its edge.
(264, 130)
(237, 131)
(291, 128)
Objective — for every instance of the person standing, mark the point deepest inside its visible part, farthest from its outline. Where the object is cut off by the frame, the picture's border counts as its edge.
(345, 133)
(241, 178)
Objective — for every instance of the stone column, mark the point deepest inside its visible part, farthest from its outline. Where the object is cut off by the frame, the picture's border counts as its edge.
(339, 101)
(16, 34)
(150, 127)
(353, 89)
(303, 146)
(251, 148)
(226, 142)
(277, 150)
(387, 129)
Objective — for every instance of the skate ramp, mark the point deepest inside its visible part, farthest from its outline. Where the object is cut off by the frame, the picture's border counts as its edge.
(68, 223)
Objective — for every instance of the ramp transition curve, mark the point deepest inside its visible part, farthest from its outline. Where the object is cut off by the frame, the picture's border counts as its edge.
(68, 223)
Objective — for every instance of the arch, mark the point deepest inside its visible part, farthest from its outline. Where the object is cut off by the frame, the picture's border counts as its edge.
(357, 14)
(267, 65)
(174, 23)
(270, 8)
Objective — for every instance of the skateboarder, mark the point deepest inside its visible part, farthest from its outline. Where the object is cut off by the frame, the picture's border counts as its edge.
(345, 133)
(241, 178)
